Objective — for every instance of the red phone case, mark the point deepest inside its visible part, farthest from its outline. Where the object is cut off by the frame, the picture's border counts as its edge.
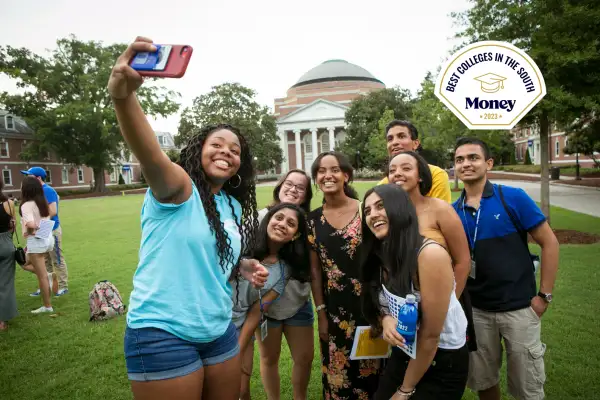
(176, 65)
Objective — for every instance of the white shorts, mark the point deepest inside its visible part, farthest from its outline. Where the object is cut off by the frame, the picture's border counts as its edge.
(39, 246)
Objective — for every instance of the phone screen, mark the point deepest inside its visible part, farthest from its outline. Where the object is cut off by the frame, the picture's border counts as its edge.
(155, 61)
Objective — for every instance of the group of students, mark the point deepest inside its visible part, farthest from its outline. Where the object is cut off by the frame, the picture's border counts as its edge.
(43, 250)
(215, 274)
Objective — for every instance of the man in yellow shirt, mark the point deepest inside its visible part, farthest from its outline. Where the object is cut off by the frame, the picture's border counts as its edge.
(403, 136)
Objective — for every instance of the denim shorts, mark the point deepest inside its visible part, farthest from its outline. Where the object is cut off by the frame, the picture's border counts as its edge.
(304, 317)
(39, 246)
(153, 354)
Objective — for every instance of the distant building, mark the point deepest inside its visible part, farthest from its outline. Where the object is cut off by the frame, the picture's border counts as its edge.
(166, 141)
(311, 118)
(527, 138)
(15, 135)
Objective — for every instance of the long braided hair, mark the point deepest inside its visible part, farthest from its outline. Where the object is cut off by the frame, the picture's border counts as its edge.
(245, 193)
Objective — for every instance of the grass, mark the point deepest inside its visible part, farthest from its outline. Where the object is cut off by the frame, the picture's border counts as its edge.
(67, 357)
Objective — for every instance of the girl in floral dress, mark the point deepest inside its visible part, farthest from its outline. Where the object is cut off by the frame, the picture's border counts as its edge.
(336, 261)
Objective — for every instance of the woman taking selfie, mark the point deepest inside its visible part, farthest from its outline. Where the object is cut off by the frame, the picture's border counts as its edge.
(292, 314)
(336, 262)
(180, 342)
(410, 264)
(281, 246)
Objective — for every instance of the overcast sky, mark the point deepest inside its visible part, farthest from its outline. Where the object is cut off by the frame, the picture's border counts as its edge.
(263, 44)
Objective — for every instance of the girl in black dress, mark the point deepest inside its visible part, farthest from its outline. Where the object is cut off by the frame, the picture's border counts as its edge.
(337, 259)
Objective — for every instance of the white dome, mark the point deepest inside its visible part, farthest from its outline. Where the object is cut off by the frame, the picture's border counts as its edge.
(336, 70)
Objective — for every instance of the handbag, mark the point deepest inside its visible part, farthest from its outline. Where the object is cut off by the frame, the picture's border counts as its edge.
(20, 257)
(19, 253)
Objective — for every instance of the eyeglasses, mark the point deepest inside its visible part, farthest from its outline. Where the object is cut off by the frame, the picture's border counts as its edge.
(299, 188)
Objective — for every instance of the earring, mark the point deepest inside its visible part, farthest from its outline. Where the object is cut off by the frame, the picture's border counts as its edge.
(239, 182)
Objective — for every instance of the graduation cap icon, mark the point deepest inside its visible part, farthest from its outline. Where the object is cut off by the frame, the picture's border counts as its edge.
(490, 82)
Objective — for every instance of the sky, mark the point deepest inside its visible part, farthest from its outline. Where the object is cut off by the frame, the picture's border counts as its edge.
(262, 44)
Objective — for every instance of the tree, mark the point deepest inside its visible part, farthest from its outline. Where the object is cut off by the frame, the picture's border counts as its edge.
(562, 38)
(438, 126)
(234, 104)
(513, 158)
(67, 104)
(364, 114)
(173, 155)
(584, 138)
(527, 157)
(439, 129)
(376, 155)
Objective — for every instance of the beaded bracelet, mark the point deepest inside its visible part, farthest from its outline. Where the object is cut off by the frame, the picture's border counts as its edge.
(408, 395)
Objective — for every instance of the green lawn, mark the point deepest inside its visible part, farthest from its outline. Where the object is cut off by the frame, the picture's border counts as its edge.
(67, 357)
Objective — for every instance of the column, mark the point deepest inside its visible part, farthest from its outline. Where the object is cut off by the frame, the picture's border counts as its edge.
(284, 148)
(331, 138)
(315, 150)
(298, 148)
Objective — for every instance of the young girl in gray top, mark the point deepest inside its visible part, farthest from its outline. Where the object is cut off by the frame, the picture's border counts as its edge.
(282, 247)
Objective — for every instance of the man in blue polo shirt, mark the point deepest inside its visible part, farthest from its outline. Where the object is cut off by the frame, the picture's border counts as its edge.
(55, 260)
(502, 285)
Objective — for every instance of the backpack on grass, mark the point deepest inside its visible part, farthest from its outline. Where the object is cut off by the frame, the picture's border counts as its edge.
(105, 302)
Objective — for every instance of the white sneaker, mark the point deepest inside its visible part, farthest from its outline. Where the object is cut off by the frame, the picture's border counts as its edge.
(42, 309)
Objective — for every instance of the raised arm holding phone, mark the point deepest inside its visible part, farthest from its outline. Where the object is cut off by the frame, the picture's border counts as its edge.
(180, 342)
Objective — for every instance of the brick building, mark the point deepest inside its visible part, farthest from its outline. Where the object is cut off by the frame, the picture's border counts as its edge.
(15, 134)
(311, 118)
(527, 138)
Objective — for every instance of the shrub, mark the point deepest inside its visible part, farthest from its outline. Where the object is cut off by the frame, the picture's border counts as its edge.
(367, 173)
(527, 158)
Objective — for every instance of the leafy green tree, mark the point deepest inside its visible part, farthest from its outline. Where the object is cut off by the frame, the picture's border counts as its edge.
(67, 104)
(173, 155)
(376, 154)
(364, 114)
(562, 38)
(235, 104)
(439, 129)
(527, 158)
(584, 138)
(513, 158)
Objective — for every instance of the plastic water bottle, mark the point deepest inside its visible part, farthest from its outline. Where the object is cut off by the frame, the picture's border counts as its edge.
(407, 320)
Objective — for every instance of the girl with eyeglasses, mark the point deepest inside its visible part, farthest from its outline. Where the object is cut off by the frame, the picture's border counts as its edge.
(282, 247)
(291, 315)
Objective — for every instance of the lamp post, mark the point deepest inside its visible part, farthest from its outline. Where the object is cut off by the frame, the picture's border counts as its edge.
(357, 159)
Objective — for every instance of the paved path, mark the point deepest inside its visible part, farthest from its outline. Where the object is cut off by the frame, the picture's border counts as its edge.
(581, 199)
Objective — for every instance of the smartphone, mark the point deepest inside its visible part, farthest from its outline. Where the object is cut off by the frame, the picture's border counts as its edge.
(168, 61)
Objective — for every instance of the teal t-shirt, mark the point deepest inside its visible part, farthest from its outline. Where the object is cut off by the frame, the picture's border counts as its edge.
(179, 285)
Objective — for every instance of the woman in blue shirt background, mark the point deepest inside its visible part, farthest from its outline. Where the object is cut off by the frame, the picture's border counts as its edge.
(180, 342)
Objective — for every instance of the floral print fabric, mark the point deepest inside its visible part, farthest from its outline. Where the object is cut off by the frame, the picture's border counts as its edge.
(338, 250)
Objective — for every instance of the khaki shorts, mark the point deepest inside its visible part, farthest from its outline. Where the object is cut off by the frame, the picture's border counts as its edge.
(524, 352)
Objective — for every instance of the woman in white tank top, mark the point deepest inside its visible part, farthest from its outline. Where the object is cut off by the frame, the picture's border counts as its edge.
(406, 263)
(34, 210)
